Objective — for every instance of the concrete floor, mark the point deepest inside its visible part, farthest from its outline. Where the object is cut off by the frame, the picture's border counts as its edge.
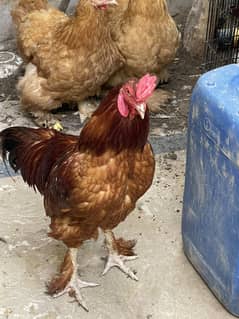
(168, 286)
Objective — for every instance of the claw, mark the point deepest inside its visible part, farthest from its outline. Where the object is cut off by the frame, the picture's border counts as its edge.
(46, 120)
(85, 284)
(115, 260)
(68, 280)
(120, 251)
(73, 289)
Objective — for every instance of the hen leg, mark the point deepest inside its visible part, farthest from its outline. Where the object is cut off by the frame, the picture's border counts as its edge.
(47, 120)
(68, 280)
(86, 108)
(163, 76)
(120, 251)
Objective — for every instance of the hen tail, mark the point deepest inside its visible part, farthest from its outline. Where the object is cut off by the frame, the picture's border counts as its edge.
(34, 152)
(24, 7)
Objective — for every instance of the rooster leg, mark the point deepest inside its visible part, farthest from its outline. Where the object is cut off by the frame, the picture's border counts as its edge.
(119, 252)
(68, 280)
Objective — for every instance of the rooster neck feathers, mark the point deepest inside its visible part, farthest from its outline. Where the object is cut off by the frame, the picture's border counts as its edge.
(107, 129)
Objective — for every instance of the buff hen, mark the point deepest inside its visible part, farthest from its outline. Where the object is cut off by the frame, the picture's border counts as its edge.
(146, 36)
(69, 58)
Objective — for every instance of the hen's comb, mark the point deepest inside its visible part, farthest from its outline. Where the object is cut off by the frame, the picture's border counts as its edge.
(145, 87)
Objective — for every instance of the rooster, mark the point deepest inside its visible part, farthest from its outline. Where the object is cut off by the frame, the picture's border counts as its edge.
(69, 58)
(91, 181)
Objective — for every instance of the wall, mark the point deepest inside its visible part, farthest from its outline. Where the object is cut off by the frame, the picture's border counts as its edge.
(195, 28)
(6, 26)
(179, 6)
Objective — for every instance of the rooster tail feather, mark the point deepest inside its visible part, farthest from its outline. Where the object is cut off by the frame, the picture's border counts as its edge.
(23, 7)
(26, 150)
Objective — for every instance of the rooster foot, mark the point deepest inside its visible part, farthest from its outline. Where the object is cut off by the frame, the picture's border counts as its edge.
(73, 289)
(68, 280)
(46, 120)
(116, 258)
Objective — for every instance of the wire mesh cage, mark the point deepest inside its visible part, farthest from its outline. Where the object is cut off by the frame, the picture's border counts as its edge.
(222, 38)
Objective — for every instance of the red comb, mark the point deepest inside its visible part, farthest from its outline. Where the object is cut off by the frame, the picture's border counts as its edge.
(145, 87)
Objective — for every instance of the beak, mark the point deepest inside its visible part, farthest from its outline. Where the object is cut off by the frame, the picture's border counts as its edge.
(141, 109)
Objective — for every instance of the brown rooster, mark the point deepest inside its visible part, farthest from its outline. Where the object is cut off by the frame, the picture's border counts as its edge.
(69, 58)
(91, 181)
